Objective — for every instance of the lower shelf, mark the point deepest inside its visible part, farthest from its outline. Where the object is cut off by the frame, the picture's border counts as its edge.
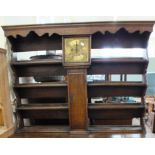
(116, 111)
(91, 129)
(96, 111)
(115, 129)
(44, 129)
(44, 111)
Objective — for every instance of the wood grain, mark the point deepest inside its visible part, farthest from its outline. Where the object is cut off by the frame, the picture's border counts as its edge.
(77, 96)
(78, 28)
(6, 117)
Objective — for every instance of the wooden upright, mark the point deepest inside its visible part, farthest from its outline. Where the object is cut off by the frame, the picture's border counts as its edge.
(6, 117)
(78, 104)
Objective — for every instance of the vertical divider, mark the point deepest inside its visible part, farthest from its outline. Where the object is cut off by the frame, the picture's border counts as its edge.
(78, 102)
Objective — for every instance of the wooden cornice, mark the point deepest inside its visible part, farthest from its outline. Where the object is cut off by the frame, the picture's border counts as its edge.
(78, 28)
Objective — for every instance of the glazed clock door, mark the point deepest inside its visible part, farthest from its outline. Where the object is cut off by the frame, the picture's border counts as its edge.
(76, 50)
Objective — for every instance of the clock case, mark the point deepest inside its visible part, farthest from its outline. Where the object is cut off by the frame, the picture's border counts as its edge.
(76, 64)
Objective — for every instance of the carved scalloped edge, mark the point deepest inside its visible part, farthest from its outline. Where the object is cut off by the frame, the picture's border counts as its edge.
(76, 29)
(51, 34)
(39, 35)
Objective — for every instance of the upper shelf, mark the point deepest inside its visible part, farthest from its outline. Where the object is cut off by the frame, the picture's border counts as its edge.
(104, 34)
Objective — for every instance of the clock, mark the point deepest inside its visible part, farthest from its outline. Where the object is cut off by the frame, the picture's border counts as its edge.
(76, 50)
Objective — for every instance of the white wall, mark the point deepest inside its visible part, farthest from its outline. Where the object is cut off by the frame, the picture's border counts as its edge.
(13, 20)
(17, 20)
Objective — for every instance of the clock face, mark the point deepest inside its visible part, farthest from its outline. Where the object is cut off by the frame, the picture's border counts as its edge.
(76, 49)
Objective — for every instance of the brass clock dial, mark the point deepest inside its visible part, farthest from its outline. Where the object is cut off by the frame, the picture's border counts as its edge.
(76, 49)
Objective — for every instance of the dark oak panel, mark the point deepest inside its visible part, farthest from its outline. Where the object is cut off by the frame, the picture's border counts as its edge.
(116, 111)
(113, 122)
(46, 111)
(77, 97)
(47, 100)
(38, 68)
(45, 69)
(99, 66)
(116, 89)
(115, 129)
(118, 66)
(33, 42)
(41, 90)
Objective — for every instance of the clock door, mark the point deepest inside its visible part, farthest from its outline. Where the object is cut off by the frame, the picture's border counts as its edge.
(76, 50)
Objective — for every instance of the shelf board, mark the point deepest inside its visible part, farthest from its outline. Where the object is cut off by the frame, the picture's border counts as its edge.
(44, 129)
(115, 111)
(118, 66)
(42, 90)
(93, 60)
(38, 68)
(108, 89)
(45, 84)
(49, 106)
(91, 129)
(115, 129)
(119, 60)
(36, 62)
(44, 111)
(139, 84)
(98, 66)
(63, 84)
(116, 106)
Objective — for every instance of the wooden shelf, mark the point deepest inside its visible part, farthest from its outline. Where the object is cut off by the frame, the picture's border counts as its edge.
(118, 66)
(119, 60)
(94, 60)
(36, 62)
(49, 106)
(42, 90)
(45, 84)
(106, 89)
(99, 66)
(44, 111)
(117, 84)
(91, 129)
(115, 129)
(96, 111)
(116, 111)
(116, 106)
(44, 129)
(38, 68)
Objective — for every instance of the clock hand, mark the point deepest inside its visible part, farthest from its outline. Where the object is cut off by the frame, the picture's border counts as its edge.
(76, 47)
